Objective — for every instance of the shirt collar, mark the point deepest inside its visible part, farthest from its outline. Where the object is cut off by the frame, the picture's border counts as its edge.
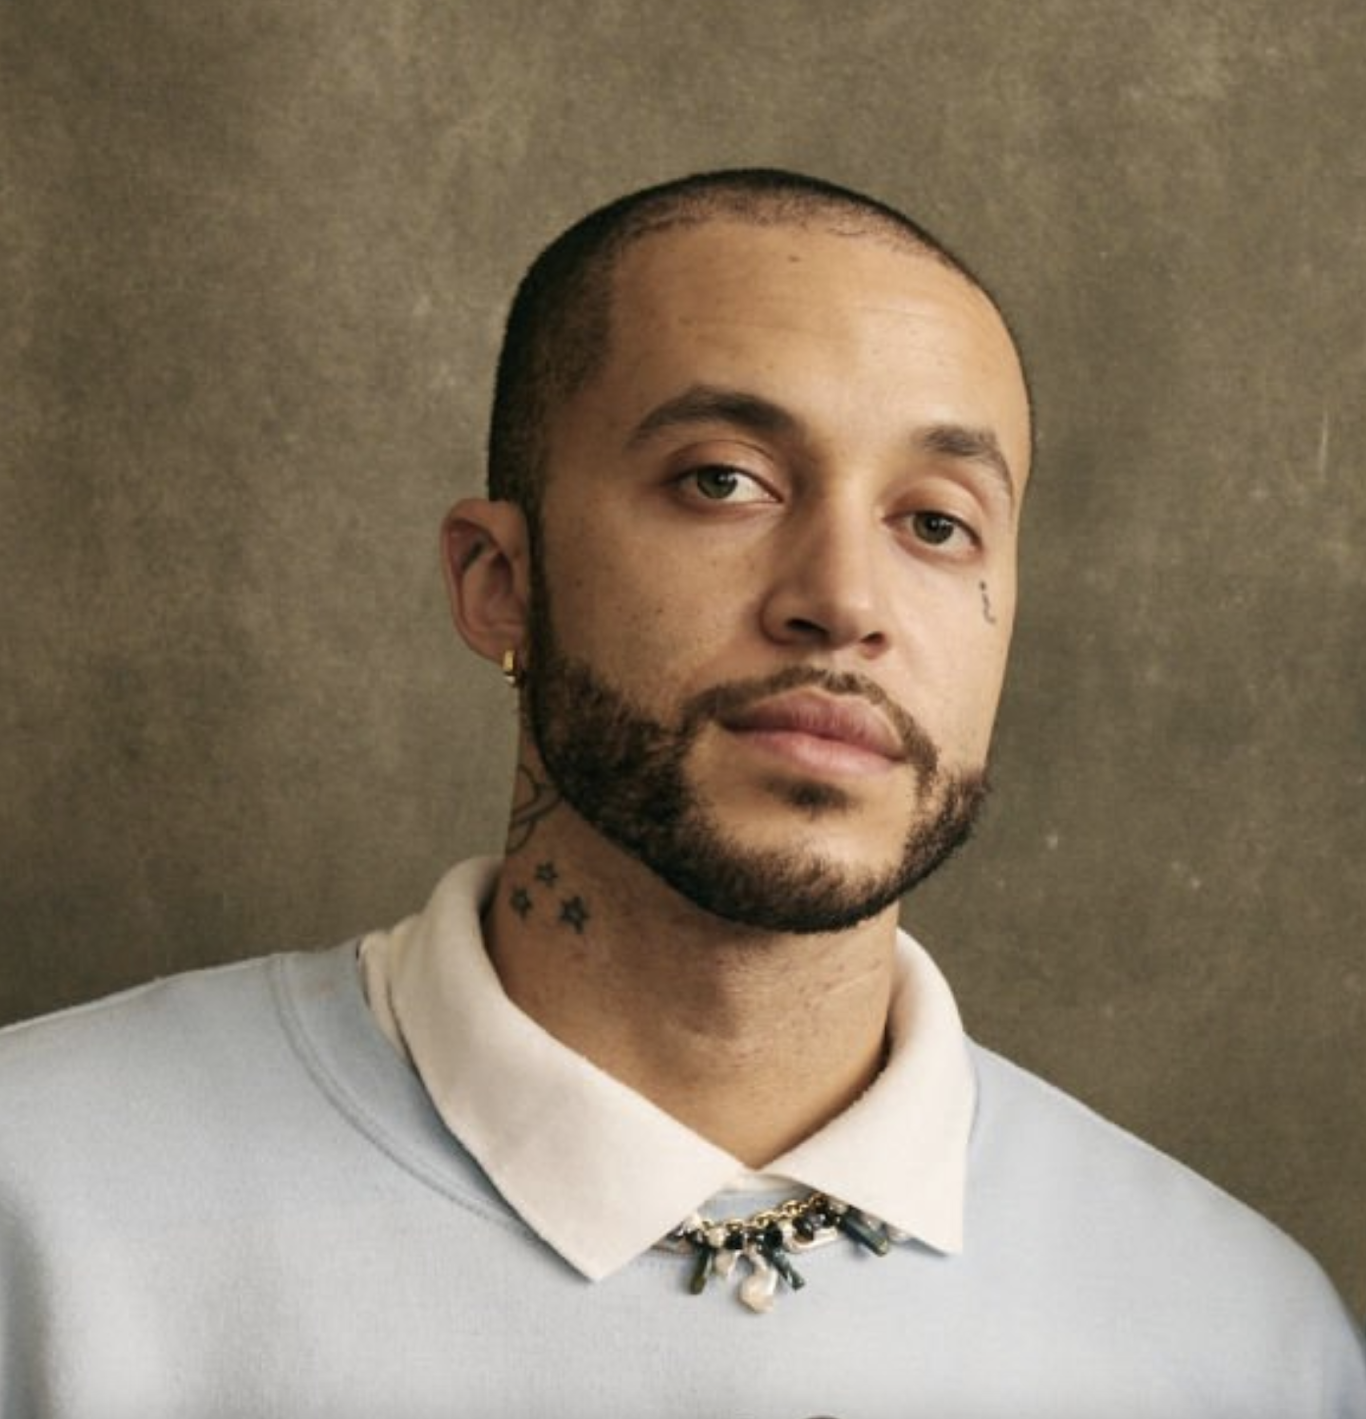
(600, 1172)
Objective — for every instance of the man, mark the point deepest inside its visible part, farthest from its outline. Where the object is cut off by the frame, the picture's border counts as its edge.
(659, 1115)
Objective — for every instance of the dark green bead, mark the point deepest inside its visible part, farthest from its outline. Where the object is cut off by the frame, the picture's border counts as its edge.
(702, 1270)
(782, 1264)
(856, 1225)
(805, 1228)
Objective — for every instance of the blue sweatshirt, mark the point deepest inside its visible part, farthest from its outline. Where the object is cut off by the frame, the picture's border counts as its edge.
(226, 1195)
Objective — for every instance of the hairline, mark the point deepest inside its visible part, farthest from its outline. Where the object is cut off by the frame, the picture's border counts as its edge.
(573, 336)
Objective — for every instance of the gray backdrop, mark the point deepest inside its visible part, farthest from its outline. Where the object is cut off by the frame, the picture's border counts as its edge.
(255, 255)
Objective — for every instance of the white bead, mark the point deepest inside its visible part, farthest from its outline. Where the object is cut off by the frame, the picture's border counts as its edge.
(757, 1289)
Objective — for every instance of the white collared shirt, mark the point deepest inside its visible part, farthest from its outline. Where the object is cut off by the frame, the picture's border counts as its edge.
(598, 1171)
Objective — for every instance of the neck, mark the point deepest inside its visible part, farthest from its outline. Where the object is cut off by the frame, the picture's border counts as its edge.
(751, 1039)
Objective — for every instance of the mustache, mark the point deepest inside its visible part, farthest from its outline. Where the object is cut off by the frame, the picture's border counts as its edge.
(722, 701)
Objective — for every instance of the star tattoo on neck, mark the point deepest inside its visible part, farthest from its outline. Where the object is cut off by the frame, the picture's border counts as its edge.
(574, 912)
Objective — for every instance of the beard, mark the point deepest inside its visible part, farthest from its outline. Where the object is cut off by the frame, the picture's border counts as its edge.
(626, 775)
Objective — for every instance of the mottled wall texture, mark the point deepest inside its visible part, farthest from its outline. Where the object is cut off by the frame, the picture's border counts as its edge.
(254, 256)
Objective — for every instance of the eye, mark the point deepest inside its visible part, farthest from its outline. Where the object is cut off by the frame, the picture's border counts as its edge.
(720, 483)
(939, 529)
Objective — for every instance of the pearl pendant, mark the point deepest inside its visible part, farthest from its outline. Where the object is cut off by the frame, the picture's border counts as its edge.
(758, 1288)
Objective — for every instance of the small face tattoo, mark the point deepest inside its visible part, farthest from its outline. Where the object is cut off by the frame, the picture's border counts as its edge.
(988, 615)
(520, 901)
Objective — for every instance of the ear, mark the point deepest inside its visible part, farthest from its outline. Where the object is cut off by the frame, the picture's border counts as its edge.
(485, 555)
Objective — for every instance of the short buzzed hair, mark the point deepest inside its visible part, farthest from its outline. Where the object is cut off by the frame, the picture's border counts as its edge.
(559, 328)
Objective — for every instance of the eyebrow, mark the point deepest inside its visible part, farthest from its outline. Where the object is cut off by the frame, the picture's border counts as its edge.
(708, 403)
(968, 445)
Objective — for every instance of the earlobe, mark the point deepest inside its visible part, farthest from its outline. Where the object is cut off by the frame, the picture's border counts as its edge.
(488, 576)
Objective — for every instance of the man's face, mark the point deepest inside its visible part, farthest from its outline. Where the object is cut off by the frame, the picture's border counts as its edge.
(777, 570)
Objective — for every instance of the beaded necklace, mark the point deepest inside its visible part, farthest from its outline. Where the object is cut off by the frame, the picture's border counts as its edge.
(769, 1239)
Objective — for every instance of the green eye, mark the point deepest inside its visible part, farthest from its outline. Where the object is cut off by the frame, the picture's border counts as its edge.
(717, 483)
(721, 483)
(721, 489)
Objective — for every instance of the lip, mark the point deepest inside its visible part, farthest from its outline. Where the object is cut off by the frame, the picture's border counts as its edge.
(839, 735)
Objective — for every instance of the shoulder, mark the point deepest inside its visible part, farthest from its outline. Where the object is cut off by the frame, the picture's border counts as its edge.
(146, 1018)
(1045, 1131)
(1050, 1152)
(131, 1061)
(1131, 1232)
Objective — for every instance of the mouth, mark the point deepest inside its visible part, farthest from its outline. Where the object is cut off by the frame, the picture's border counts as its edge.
(817, 732)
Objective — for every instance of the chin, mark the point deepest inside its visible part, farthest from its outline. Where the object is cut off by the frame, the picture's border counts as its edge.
(804, 882)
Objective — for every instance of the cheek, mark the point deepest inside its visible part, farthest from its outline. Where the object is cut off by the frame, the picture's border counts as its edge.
(953, 670)
(977, 704)
(632, 613)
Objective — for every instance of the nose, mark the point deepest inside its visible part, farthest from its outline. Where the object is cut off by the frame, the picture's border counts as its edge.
(825, 591)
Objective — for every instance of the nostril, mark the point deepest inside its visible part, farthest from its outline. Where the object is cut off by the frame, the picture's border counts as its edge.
(805, 627)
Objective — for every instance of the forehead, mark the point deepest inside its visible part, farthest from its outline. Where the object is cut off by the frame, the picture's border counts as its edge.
(851, 325)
